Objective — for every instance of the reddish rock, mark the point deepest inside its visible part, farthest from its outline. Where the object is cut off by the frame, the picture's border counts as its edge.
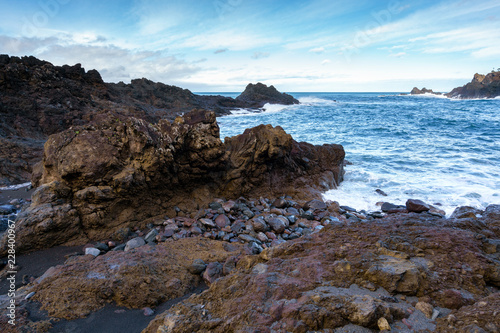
(213, 271)
(315, 205)
(416, 206)
(222, 221)
(84, 195)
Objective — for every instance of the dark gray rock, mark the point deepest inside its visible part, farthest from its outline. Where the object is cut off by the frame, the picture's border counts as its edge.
(197, 267)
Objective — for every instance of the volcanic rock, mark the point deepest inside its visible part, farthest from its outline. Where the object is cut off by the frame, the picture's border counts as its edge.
(38, 99)
(98, 179)
(417, 206)
(256, 95)
(481, 86)
(313, 283)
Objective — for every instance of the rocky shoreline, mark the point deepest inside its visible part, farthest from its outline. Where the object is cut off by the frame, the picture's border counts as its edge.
(288, 265)
(481, 86)
(144, 218)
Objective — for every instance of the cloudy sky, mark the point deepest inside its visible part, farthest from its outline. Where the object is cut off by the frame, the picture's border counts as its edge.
(221, 45)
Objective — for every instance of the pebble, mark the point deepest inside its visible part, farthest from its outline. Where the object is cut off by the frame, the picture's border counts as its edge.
(425, 308)
(31, 294)
(93, 251)
(134, 243)
(148, 312)
(383, 324)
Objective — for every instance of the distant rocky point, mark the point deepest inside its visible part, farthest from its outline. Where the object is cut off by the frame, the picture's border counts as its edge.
(416, 91)
(38, 99)
(481, 86)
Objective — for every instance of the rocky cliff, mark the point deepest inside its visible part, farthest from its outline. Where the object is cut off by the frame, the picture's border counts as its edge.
(38, 99)
(99, 178)
(481, 86)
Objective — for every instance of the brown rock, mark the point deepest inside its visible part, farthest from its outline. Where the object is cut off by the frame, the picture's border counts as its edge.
(213, 271)
(417, 206)
(85, 195)
(222, 221)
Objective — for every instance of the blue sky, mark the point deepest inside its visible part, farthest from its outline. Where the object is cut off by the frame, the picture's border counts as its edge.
(221, 45)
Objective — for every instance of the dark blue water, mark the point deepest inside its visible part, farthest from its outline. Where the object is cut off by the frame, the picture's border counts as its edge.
(435, 149)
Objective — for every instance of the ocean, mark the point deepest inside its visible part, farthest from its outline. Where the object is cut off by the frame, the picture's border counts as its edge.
(442, 151)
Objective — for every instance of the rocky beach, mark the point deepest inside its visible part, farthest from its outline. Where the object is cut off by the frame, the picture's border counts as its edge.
(142, 219)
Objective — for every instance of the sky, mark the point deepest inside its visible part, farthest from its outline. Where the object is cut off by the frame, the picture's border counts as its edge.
(298, 46)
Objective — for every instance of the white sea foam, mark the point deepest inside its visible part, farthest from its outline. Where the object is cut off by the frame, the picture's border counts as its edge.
(14, 187)
(316, 101)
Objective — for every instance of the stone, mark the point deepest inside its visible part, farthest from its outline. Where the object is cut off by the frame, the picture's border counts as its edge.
(416, 206)
(386, 206)
(222, 221)
(197, 267)
(93, 251)
(134, 243)
(280, 203)
(7, 209)
(229, 265)
(102, 247)
(247, 238)
(382, 193)
(207, 222)
(383, 324)
(148, 312)
(314, 205)
(465, 212)
(259, 224)
(395, 275)
(151, 236)
(278, 224)
(492, 213)
(212, 272)
(425, 308)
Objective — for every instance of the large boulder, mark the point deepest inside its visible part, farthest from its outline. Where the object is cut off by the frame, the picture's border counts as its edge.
(98, 179)
(257, 95)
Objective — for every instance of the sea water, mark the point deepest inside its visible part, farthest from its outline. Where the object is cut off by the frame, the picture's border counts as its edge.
(442, 151)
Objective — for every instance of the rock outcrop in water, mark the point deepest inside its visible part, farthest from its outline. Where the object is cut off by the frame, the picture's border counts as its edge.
(259, 94)
(97, 179)
(38, 99)
(416, 91)
(481, 86)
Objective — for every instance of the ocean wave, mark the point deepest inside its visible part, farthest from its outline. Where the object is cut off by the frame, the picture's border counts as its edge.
(316, 101)
(14, 187)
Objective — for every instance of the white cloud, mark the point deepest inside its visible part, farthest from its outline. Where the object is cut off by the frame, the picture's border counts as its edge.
(398, 55)
(227, 39)
(260, 55)
(326, 62)
(113, 62)
(317, 50)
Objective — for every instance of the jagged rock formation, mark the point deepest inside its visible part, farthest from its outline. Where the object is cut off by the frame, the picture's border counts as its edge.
(416, 91)
(97, 179)
(38, 99)
(259, 94)
(481, 86)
